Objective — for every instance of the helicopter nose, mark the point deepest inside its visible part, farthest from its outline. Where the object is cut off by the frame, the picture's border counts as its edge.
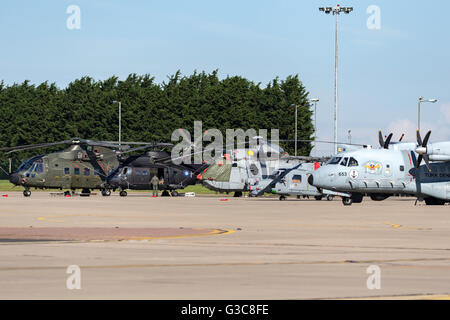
(14, 178)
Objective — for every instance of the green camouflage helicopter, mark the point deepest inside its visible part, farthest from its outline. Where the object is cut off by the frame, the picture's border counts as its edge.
(84, 165)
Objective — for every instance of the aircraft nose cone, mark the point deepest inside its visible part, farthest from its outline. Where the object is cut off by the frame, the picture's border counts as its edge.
(14, 178)
(311, 180)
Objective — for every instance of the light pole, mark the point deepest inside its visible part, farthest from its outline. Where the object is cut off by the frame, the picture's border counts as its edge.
(120, 122)
(296, 106)
(315, 100)
(336, 10)
(421, 99)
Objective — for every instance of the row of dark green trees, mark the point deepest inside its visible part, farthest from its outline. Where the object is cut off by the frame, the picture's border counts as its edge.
(150, 110)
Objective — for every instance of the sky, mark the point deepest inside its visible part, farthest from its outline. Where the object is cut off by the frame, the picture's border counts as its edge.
(382, 71)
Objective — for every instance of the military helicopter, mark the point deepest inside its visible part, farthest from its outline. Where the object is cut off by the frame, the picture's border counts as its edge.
(244, 169)
(135, 172)
(84, 165)
(381, 173)
(293, 180)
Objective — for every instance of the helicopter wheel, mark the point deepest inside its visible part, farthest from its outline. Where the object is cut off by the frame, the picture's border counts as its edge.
(330, 197)
(27, 193)
(67, 193)
(347, 201)
(318, 198)
(299, 196)
(282, 198)
(106, 192)
(85, 193)
(175, 193)
(123, 193)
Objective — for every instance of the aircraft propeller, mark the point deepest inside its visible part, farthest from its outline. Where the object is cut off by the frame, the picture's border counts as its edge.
(422, 150)
(384, 144)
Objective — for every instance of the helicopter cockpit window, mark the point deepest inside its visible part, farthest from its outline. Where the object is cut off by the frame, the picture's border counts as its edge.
(125, 170)
(334, 160)
(297, 178)
(76, 171)
(352, 162)
(66, 170)
(344, 162)
(87, 171)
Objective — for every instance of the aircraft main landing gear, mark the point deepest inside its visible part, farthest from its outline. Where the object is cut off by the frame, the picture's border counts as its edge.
(123, 193)
(347, 201)
(106, 192)
(282, 198)
(27, 192)
(318, 198)
(330, 197)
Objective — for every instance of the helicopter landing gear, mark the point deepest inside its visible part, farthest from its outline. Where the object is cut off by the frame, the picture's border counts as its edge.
(123, 193)
(318, 198)
(67, 193)
(282, 198)
(174, 193)
(299, 196)
(347, 201)
(237, 194)
(27, 192)
(165, 193)
(106, 192)
(85, 193)
(330, 197)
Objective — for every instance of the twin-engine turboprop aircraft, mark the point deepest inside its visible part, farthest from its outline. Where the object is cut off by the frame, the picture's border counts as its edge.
(380, 173)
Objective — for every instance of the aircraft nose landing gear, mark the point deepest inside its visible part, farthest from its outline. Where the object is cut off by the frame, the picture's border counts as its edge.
(27, 192)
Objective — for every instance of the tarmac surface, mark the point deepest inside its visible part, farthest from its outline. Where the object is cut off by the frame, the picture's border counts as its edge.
(141, 247)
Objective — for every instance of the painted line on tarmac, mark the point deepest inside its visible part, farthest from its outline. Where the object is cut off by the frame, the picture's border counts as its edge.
(399, 226)
(421, 296)
(225, 264)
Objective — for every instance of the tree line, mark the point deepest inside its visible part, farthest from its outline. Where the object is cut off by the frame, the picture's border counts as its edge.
(150, 110)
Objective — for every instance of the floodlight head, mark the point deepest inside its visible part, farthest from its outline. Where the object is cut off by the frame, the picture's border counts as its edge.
(315, 100)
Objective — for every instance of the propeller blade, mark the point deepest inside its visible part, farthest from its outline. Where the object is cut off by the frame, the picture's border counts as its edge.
(419, 139)
(380, 138)
(425, 141)
(427, 161)
(419, 160)
(388, 140)
(401, 138)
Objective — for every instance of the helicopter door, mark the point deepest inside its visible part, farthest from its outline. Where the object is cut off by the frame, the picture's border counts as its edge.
(141, 176)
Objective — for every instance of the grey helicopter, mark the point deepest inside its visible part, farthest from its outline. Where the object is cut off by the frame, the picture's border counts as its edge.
(250, 169)
(381, 173)
(293, 181)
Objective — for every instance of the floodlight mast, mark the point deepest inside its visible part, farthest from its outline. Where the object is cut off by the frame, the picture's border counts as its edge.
(336, 10)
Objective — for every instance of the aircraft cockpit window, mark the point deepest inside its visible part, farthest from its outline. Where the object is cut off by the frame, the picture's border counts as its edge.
(352, 162)
(39, 167)
(297, 178)
(125, 170)
(344, 162)
(66, 170)
(76, 171)
(334, 160)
